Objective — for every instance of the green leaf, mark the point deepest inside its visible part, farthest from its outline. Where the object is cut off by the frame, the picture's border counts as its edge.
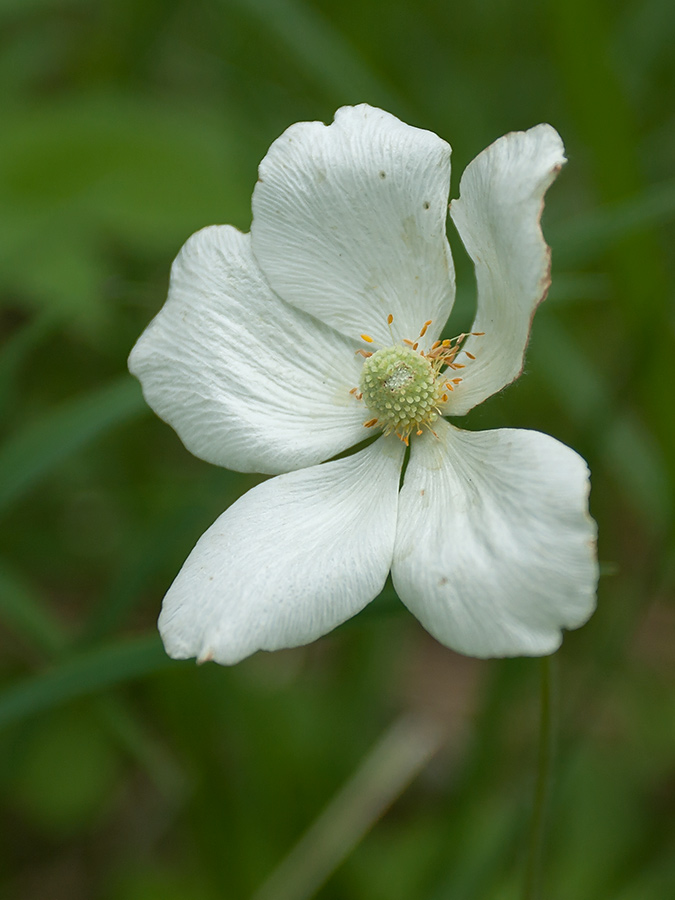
(87, 174)
(34, 451)
(627, 446)
(15, 353)
(318, 47)
(66, 773)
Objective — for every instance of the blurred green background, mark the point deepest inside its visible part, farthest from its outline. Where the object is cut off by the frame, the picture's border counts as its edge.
(126, 126)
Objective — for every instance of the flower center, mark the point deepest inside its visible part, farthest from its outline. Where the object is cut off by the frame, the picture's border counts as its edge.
(402, 389)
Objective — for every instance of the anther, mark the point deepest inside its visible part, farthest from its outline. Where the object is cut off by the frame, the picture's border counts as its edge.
(370, 423)
(367, 338)
(424, 328)
(390, 319)
(364, 353)
(470, 355)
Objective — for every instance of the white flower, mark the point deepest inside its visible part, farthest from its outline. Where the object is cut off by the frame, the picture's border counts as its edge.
(259, 361)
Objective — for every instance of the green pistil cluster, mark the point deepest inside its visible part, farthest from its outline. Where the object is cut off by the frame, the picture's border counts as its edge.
(401, 388)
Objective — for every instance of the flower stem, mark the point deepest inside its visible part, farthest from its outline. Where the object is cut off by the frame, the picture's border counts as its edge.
(533, 871)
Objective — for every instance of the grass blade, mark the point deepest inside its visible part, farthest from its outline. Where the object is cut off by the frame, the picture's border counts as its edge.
(87, 673)
(29, 455)
(21, 608)
(585, 238)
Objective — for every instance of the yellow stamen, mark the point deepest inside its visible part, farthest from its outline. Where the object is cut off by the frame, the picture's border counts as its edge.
(367, 338)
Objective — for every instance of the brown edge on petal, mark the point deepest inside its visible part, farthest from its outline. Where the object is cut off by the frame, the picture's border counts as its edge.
(546, 280)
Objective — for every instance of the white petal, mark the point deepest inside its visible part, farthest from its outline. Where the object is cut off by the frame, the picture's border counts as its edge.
(247, 381)
(290, 560)
(349, 223)
(498, 217)
(495, 550)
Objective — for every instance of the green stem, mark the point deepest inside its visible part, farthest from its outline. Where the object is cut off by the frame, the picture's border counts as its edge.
(532, 886)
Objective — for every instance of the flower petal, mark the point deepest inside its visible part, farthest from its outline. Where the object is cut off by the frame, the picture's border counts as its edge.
(498, 217)
(349, 223)
(247, 381)
(289, 561)
(495, 550)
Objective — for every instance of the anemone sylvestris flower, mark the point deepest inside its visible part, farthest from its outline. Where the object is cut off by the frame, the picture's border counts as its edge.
(275, 349)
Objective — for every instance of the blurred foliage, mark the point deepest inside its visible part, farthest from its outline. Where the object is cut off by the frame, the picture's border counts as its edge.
(126, 127)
